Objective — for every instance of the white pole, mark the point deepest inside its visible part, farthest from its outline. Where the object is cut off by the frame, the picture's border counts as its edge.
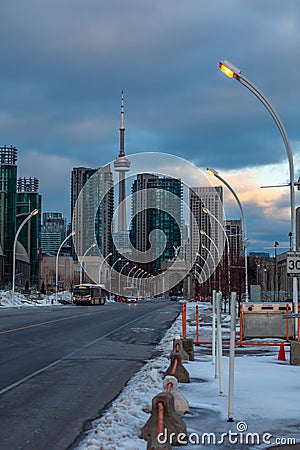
(219, 343)
(33, 213)
(213, 348)
(56, 265)
(231, 355)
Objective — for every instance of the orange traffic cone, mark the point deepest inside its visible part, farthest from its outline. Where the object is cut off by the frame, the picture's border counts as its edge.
(281, 354)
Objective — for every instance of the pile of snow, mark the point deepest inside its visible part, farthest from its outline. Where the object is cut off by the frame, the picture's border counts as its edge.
(33, 299)
(266, 403)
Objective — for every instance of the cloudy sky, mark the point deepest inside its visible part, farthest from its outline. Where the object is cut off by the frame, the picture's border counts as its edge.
(65, 62)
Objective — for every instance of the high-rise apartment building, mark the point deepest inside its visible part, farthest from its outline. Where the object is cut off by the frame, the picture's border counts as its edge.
(53, 232)
(29, 199)
(8, 200)
(157, 205)
(234, 233)
(206, 222)
(92, 202)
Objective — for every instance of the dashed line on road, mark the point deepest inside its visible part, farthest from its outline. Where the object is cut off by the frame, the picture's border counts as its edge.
(54, 363)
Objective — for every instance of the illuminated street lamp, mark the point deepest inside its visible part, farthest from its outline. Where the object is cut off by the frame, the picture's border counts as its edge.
(30, 215)
(234, 72)
(82, 261)
(216, 174)
(202, 232)
(56, 264)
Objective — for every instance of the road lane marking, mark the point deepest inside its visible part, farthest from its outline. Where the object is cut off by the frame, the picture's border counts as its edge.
(54, 363)
(44, 323)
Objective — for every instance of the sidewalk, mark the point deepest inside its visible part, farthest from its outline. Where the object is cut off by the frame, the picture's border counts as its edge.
(266, 398)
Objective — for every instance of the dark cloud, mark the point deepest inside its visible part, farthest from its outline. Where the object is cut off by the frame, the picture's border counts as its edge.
(64, 63)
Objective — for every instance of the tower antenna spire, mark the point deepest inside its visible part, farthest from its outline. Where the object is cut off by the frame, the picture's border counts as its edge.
(122, 128)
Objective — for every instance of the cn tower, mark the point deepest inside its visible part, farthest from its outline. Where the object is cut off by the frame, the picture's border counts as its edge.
(122, 165)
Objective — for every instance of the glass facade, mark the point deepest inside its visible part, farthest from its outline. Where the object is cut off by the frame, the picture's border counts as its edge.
(156, 209)
(29, 235)
(8, 198)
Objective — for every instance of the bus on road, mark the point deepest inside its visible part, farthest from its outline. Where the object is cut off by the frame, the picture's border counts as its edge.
(89, 294)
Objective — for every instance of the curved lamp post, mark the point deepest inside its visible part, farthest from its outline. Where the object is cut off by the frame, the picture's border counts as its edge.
(30, 215)
(56, 264)
(208, 274)
(82, 261)
(111, 269)
(126, 264)
(206, 211)
(202, 232)
(136, 275)
(101, 265)
(216, 174)
(131, 270)
(234, 72)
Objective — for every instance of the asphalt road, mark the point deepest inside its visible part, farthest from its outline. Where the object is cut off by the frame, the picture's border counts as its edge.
(61, 365)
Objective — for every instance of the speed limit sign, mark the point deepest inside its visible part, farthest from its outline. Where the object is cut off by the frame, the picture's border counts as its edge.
(293, 264)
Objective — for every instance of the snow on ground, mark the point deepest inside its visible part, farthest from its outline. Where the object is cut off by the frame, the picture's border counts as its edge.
(266, 399)
(33, 299)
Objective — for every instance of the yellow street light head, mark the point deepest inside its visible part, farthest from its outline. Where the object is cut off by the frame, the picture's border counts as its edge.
(202, 232)
(34, 212)
(94, 245)
(203, 246)
(212, 172)
(73, 233)
(229, 69)
(205, 210)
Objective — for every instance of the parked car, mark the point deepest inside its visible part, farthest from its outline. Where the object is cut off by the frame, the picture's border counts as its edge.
(173, 297)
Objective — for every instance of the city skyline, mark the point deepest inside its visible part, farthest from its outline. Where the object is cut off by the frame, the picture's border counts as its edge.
(60, 94)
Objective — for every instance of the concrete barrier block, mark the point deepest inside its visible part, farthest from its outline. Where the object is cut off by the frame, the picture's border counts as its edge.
(181, 404)
(188, 346)
(176, 369)
(295, 353)
(178, 348)
(173, 425)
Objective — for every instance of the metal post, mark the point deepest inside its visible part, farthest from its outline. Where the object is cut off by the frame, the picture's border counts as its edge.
(219, 343)
(231, 355)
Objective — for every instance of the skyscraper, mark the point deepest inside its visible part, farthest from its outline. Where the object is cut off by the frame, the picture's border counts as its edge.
(234, 233)
(8, 200)
(156, 205)
(53, 232)
(28, 199)
(211, 199)
(94, 211)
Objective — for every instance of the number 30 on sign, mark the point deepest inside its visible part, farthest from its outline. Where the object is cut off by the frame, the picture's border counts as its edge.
(293, 264)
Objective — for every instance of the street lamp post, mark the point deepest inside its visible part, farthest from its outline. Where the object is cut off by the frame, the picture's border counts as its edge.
(206, 211)
(82, 261)
(216, 174)
(30, 215)
(234, 72)
(136, 275)
(110, 277)
(101, 265)
(56, 264)
(126, 264)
